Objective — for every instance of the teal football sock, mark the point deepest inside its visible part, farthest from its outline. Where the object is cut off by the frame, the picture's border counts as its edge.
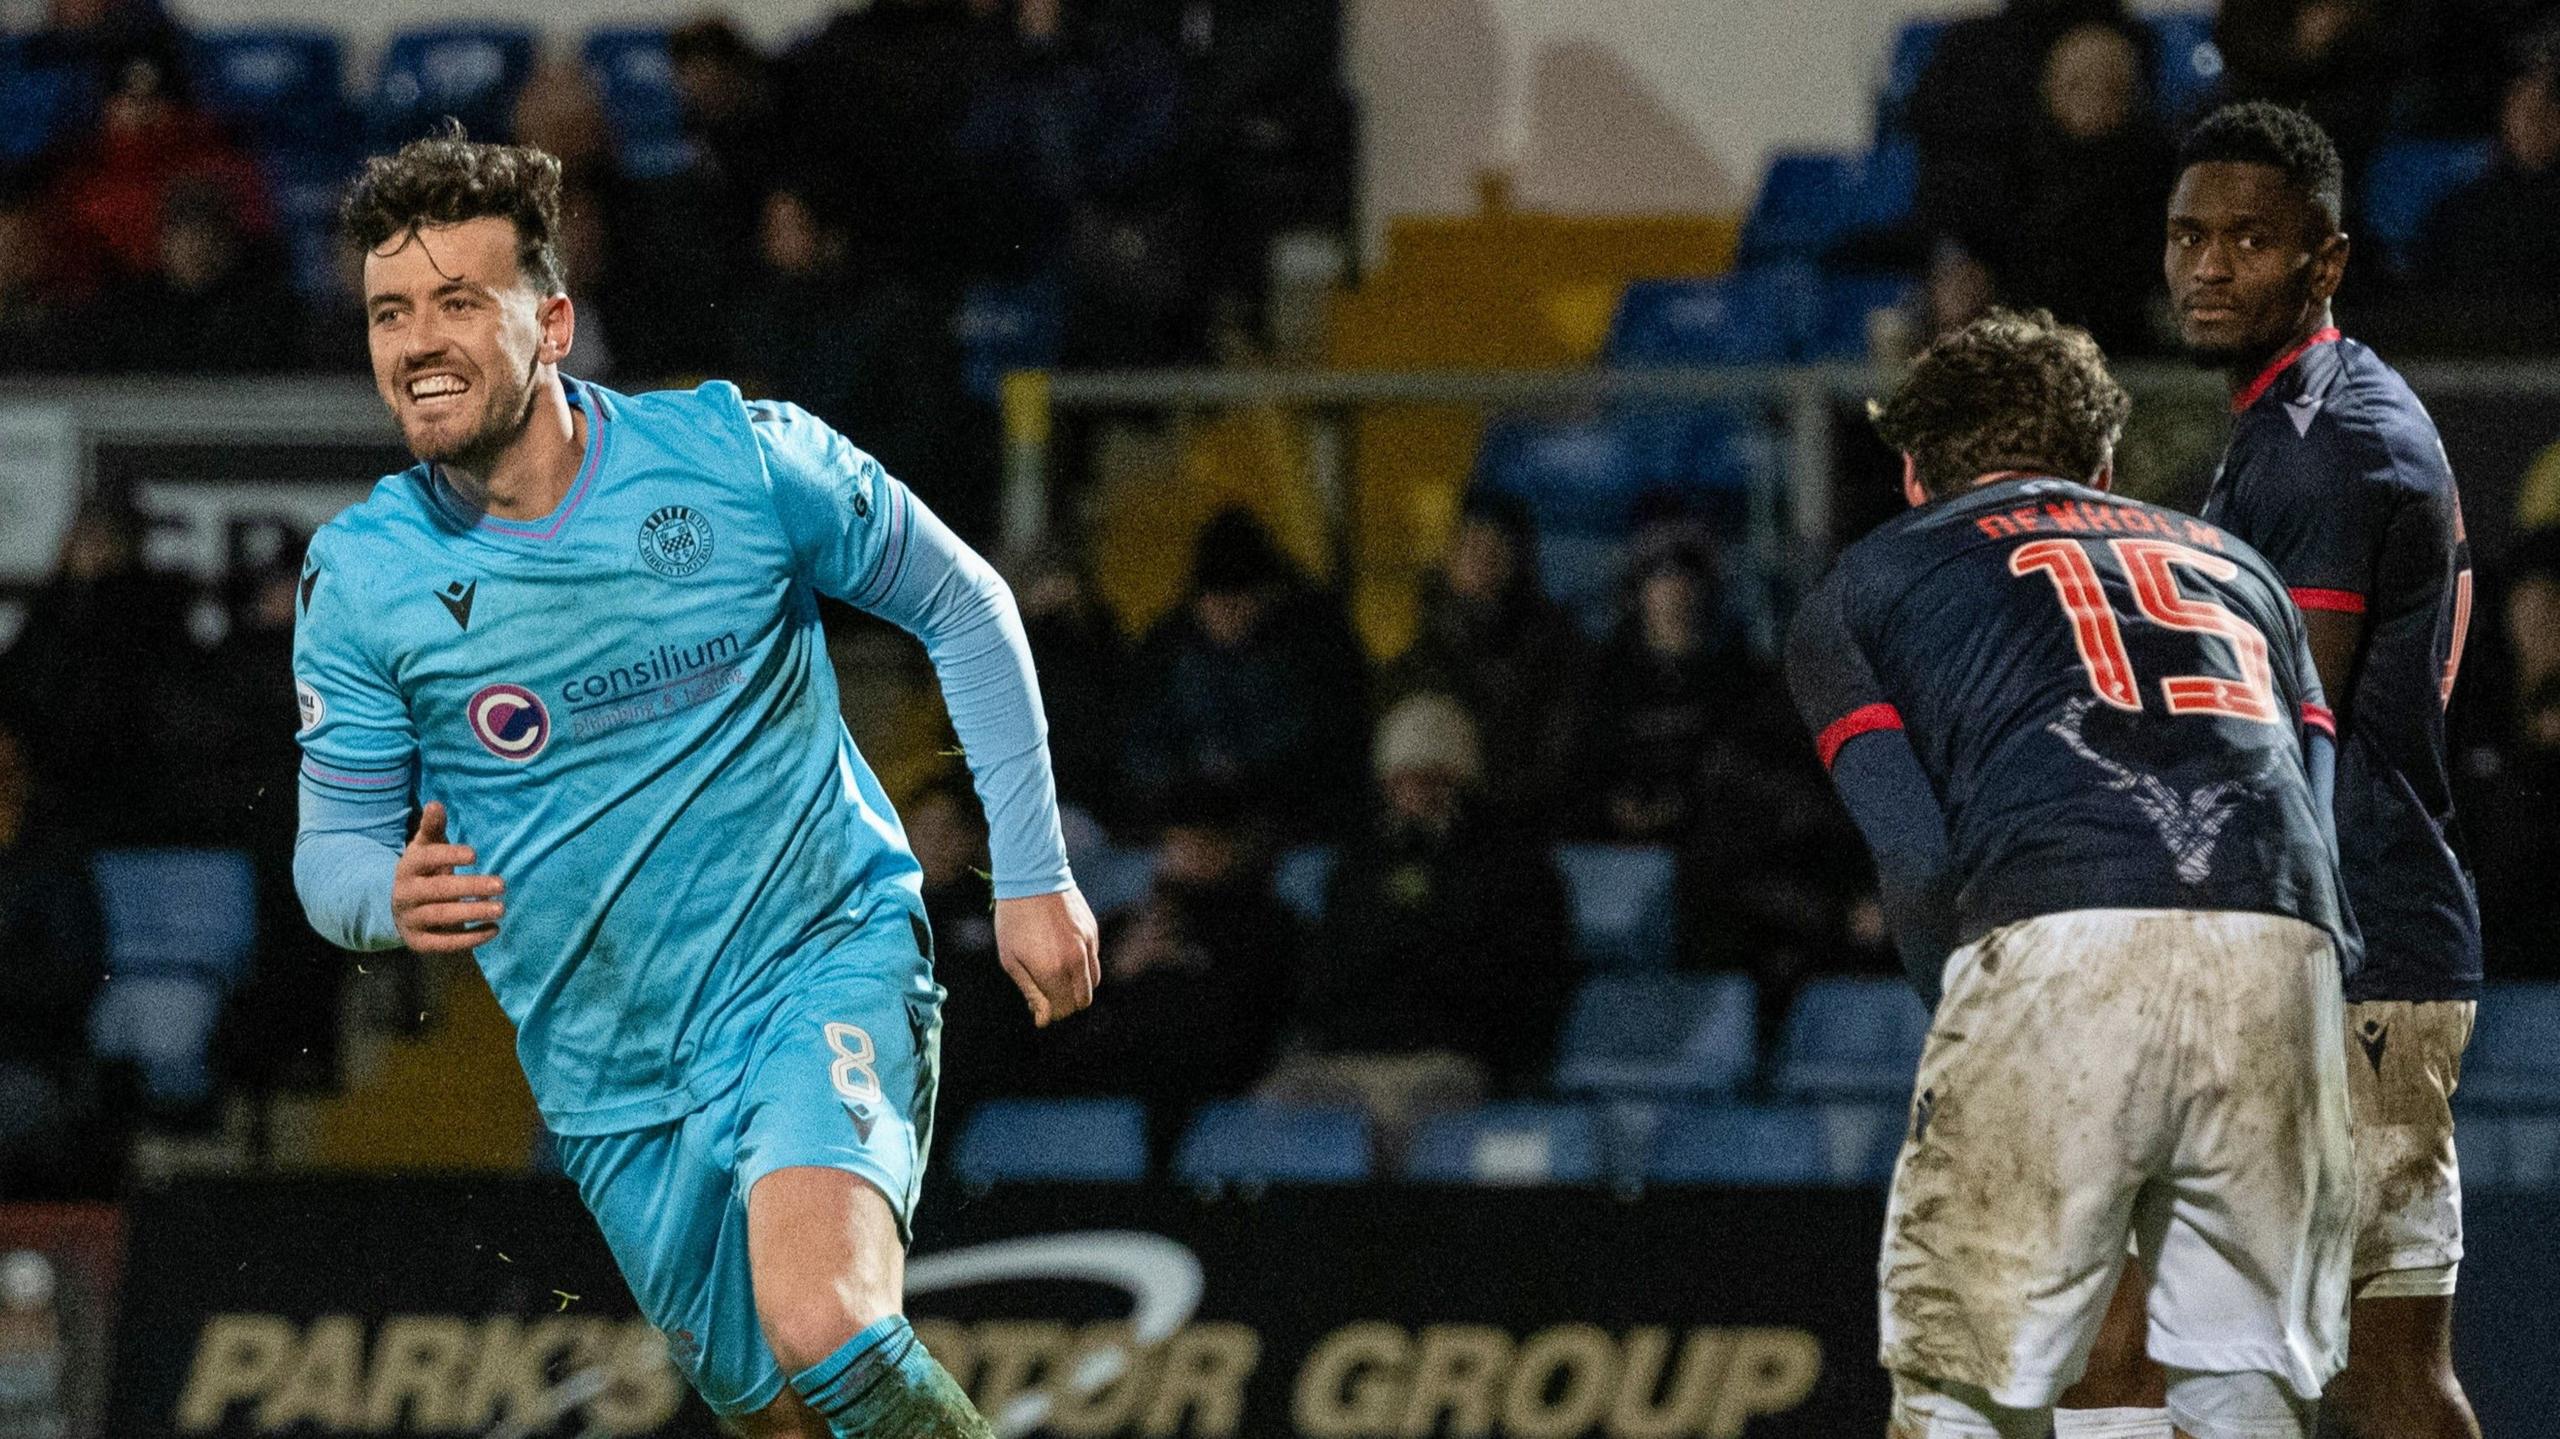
(883, 1385)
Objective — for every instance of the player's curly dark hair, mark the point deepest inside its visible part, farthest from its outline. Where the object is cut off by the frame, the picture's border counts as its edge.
(447, 178)
(2014, 390)
(2261, 132)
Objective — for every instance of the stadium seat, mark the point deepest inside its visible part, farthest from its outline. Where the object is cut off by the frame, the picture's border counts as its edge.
(1776, 1145)
(2186, 66)
(2514, 1059)
(1808, 199)
(1852, 1038)
(1579, 474)
(468, 71)
(1094, 1141)
(1007, 327)
(1914, 45)
(162, 1025)
(1848, 303)
(2503, 1151)
(1508, 1144)
(178, 911)
(307, 185)
(636, 76)
(1113, 878)
(1302, 879)
(39, 104)
(1891, 185)
(281, 85)
(1663, 1035)
(1252, 1142)
(1758, 315)
(2405, 183)
(1622, 903)
(1580, 573)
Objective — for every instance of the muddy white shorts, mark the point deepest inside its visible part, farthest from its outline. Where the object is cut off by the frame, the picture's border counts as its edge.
(2168, 1074)
(2404, 1060)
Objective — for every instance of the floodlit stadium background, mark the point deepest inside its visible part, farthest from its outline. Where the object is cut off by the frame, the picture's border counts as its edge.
(1385, 410)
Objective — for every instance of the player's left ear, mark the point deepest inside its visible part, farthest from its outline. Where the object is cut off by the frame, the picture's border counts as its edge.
(559, 321)
(2329, 264)
(1913, 492)
(2105, 479)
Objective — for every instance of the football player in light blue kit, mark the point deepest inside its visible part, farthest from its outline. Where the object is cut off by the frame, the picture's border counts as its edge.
(583, 634)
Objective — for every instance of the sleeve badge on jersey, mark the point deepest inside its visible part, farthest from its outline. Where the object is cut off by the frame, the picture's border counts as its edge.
(314, 709)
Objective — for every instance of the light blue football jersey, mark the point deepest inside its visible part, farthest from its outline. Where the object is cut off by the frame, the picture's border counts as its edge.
(627, 709)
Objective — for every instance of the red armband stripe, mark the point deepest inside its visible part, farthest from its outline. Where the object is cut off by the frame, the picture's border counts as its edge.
(1865, 719)
(2342, 602)
(2320, 718)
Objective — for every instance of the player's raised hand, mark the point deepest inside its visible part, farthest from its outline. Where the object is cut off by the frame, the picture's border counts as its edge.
(1048, 944)
(431, 904)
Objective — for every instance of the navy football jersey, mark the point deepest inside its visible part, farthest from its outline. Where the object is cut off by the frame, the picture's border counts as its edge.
(2109, 701)
(2335, 473)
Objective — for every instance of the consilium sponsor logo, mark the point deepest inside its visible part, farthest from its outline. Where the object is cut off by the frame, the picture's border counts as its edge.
(510, 722)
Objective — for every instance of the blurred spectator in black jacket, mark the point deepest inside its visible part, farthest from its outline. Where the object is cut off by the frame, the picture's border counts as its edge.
(52, 963)
(1256, 683)
(2084, 241)
(87, 686)
(1492, 639)
(2518, 828)
(986, 1029)
(1442, 962)
(2335, 60)
(2494, 244)
(1662, 690)
(1084, 669)
(219, 303)
(35, 329)
(1199, 973)
(796, 323)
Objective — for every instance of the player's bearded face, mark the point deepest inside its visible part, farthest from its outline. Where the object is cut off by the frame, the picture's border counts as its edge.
(455, 332)
(2250, 265)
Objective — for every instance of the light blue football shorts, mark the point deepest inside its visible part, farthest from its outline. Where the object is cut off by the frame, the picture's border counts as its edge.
(840, 1075)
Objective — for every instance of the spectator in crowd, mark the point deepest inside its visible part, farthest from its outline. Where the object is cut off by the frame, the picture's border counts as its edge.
(724, 94)
(2495, 242)
(1200, 972)
(2084, 241)
(87, 684)
(1492, 639)
(219, 302)
(34, 330)
(109, 195)
(796, 320)
(52, 963)
(1441, 964)
(2518, 827)
(560, 112)
(1084, 671)
(1666, 685)
(987, 1035)
(1255, 683)
(2332, 59)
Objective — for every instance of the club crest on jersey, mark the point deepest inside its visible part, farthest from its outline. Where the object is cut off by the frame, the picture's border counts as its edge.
(675, 540)
(510, 722)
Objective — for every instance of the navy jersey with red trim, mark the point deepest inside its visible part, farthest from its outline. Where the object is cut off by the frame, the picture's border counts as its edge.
(2335, 473)
(2110, 703)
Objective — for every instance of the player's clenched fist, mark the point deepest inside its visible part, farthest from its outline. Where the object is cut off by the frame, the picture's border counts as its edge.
(432, 905)
(1048, 944)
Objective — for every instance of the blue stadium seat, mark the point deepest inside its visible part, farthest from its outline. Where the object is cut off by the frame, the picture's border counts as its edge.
(1840, 330)
(1808, 199)
(1253, 1142)
(1758, 315)
(1008, 327)
(1302, 878)
(1891, 184)
(1914, 45)
(1622, 903)
(1508, 1144)
(307, 185)
(1097, 1141)
(1852, 1038)
(178, 911)
(1659, 1034)
(1113, 878)
(162, 1024)
(39, 104)
(2514, 1059)
(2508, 1151)
(2405, 183)
(283, 85)
(637, 78)
(1580, 573)
(1579, 474)
(469, 71)
(1777, 1145)
(2186, 66)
